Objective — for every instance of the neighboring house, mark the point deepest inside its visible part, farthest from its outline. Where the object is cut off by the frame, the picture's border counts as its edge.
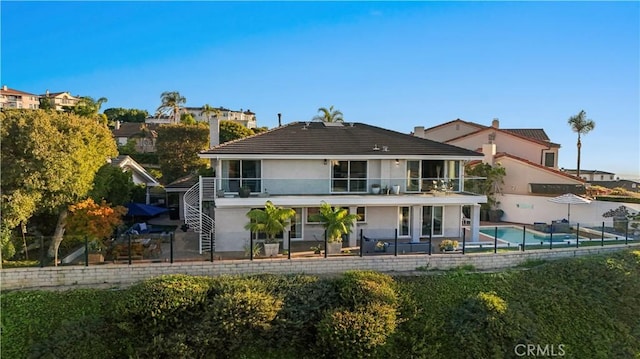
(592, 175)
(138, 173)
(10, 98)
(60, 100)
(144, 134)
(302, 164)
(530, 159)
(245, 118)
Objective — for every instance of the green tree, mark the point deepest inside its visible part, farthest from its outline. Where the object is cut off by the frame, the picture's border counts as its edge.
(49, 160)
(329, 115)
(336, 221)
(178, 147)
(271, 220)
(582, 125)
(112, 185)
(208, 111)
(45, 103)
(88, 107)
(491, 185)
(187, 119)
(230, 130)
(171, 104)
(126, 115)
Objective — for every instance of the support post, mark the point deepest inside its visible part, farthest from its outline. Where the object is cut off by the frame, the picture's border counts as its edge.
(171, 247)
(395, 241)
(361, 242)
(42, 251)
(495, 240)
(551, 237)
(524, 237)
(289, 244)
(210, 246)
(86, 251)
(626, 233)
(602, 236)
(577, 235)
(464, 239)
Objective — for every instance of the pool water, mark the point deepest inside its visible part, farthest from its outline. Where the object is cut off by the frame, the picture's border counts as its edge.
(514, 235)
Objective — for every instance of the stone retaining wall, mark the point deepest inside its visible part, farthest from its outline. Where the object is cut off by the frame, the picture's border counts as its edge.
(123, 275)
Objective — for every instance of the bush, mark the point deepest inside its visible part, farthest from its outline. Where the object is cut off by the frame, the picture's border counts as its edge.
(360, 288)
(358, 333)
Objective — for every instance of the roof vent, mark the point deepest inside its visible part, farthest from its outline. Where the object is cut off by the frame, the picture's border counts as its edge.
(376, 148)
(385, 149)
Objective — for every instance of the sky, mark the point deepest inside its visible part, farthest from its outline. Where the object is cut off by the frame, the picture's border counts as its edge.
(395, 65)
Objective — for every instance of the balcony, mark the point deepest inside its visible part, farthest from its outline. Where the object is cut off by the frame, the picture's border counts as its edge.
(263, 187)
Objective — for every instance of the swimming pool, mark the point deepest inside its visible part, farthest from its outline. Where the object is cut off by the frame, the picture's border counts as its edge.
(513, 235)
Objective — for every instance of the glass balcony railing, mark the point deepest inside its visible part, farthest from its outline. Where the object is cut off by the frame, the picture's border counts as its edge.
(323, 186)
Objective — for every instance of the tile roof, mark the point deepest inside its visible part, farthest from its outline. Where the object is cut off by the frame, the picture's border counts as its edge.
(129, 129)
(533, 133)
(318, 138)
(10, 91)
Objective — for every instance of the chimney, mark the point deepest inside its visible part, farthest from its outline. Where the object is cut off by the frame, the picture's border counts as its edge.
(4, 87)
(418, 131)
(214, 131)
(489, 151)
(279, 119)
(117, 125)
(495, 123)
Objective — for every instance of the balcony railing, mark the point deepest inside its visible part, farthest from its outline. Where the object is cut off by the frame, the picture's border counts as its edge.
(323, 186)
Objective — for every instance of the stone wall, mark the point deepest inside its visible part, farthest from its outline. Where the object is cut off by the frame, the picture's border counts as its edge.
(117, 275)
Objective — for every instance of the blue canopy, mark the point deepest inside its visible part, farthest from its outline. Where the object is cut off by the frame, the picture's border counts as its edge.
(141, 209)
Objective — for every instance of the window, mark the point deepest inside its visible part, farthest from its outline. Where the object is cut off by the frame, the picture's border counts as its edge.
(422, 174)
(404, 221)
(432, 220)
(296, 224)
(238, 173)
(349, 176)
(312, 211)
(549, 159)
(362, 214)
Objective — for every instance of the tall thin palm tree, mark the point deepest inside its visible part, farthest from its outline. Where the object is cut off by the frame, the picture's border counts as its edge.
(329, 115)
(207, 110)
(582, 125)
(171, 104)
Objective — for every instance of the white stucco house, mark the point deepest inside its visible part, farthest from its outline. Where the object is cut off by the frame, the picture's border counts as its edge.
(302, 164)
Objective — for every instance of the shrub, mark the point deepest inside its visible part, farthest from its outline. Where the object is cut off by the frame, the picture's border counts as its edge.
(360, 288)
(448, 245)
(358, 333)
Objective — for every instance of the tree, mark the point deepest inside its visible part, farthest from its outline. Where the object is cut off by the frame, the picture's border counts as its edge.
(178, 147)
(49, 160)
(582, 125)
(112, 185)
(171, 104)
(336, 221)
(94, 220)
(490, 185)
(88, 107)
(329, 115)
(125, 115)
(208, 111)
(271, 220)
(230, 130)
(187, 119)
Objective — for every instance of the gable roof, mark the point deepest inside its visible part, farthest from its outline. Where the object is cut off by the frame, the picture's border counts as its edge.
(126, 162)
(457, 120)
(319, 138)
(10, 91)
(130, 129)
(513, 132)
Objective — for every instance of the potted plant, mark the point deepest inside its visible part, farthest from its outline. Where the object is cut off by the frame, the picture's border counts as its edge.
(448, 245)
(244, 191)
(96, 249)
(336, 222)
(375, 188)
(396, 189)
(270, 221)
(491, 187)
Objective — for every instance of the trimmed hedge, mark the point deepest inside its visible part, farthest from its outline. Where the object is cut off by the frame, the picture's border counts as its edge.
(589, 305)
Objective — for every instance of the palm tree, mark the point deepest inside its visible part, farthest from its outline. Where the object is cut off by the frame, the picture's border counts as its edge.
(329, 115)
(171, 101)
(271, 220)
(208, 111)
(582, 125)
(336, 221)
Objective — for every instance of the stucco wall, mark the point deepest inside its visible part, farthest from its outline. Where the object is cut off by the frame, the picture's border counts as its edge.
(122, 275)
(453, 130)
(513, 145)
(520, 175)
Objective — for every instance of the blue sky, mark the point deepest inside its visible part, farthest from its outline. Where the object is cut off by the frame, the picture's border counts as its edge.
(394, 65)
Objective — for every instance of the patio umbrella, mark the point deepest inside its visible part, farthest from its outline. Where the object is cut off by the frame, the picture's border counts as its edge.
(143, 210)
(569, 199)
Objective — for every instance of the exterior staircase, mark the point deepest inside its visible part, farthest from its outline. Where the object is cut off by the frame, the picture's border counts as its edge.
(195, 218)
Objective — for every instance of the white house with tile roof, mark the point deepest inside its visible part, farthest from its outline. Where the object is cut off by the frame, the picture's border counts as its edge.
(11, 98)
(302, 164)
